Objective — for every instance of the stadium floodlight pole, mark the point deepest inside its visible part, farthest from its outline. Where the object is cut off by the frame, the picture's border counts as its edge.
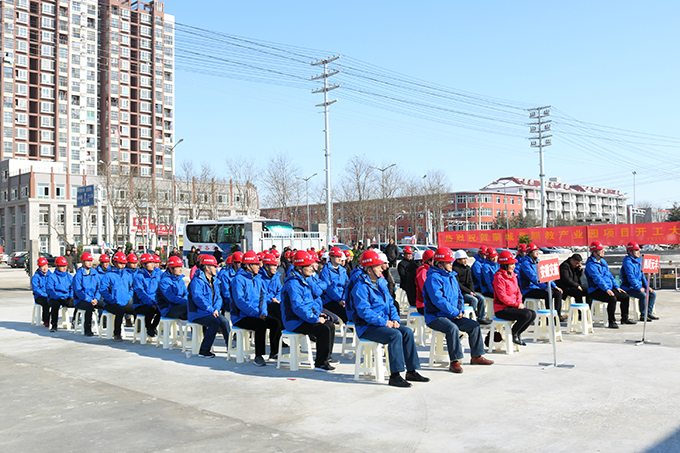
(505, 195)
(306, 180)
(541, 127)
(326, 88)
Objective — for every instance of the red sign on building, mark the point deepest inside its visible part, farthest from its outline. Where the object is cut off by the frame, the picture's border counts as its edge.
(548, 270)
(650, 264)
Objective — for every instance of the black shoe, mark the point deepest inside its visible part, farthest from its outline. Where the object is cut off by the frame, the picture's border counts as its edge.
(332, 360)
(642, 318)
(273, 357)
(150, 333)
(206, 354)
(128, 322)
(484, 322)
(89, 334)
(155, 332)
(284, 345)
(397, 381)
(518, 340)
(53, 329)
(613, 325)
(652, 316)
(326, 367)
(259, 361)
(117, 338)
(414, 376)
(628, 321)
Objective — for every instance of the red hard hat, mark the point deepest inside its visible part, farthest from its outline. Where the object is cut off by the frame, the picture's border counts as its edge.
(482, 249)
(237, 257)
(260, 256)
(228, 260)
(86, 256)
(491, 252)
(428, 254)
(156, 258)
(596, 245)
(335, 251)
(174, 261)
(370, 258)
(121, 258)
(530, 247)
(250, 257)
(347, 253)
(633, 246)
(60, 261)
(506, 257)
(522, 247)
(131, 258)
(408, 249)
(43, 261)
(302, 258)
(146, 258)
(209, 260)
(444, 254)
(104, 258)
(289, 254)
(270, 259)
(275, 253)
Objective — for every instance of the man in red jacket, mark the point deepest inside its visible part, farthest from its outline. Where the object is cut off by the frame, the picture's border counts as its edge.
(421, 276)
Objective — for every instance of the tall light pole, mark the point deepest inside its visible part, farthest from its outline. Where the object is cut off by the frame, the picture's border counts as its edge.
(426, 211)
(541, 127)
(505, 195)
(382, 189)
(306, 180)
(172, 212)
(633, 211)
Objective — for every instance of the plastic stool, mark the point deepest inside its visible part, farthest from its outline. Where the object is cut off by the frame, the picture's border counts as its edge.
(170, 333)
(580, 319)
(505, 328)
(243, 347)
(300, 345)
(352, 345)
(469, 312)
(106, 330)
(196, 331)
(416, 322)
(599, 312)
(488, 303)
(542, 326)
(369, 360)
(139, 330)
(437, 353)
(64, 319)
(634, 308)
(36, 318)
(534, 304)
(80, 322)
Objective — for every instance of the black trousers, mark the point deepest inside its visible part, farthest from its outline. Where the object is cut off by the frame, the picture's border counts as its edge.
(42, 301)
(523, 318)
(543, 294)
(598, 294)
(335, 307)
(89, 309)
(577, 294)
(152, 316)
(325, 334)
(120, 311)
(54, 309)
(274, 310)
(260, 327)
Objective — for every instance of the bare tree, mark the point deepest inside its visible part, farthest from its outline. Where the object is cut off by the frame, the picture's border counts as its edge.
(436, 189)
(413, 193)
(390, 183)
(357, 188)
(281, 183)
(244, 174)
(196, 189)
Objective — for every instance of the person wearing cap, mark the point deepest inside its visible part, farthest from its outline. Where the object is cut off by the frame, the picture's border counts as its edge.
(634, 283)
(204, 303)
(115, 288)
(403, 266)
(489, 269)
(132, 265)
(301, 313)
(171, 295)
(249, 308)
(335, 278)
(464, 277)
(272, 285)
(39, 289)
(521, 253)
(59, 290)
(157, 271)
(225, 276)
(376, 319)
(104, 264)
(86, 291)
(507, 298)
(602, 286)
(421, 276)
(476, 268)
(571, 272)
(145, 286)
(349, 261)
(444, 311)
(392, 253)
(532, 288)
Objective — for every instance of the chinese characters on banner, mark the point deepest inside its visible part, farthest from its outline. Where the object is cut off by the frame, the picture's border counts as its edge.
(548, 270)
(650, 264)
(621, 234)
(141, 224)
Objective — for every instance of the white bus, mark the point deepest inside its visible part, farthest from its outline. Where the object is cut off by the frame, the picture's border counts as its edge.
(249, 233)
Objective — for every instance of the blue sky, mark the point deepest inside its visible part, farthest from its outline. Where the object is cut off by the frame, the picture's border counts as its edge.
(610, 63)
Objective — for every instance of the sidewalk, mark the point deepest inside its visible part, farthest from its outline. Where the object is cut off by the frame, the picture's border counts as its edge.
(65, 392)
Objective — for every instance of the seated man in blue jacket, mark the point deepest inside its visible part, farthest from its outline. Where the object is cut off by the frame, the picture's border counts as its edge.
(204, 304)
(249, 308)
(86, 291)
(634, 283)
(476, 268)
(334, 275)
(530, 286)
(489, 269)
(39, 288)
(272, 285)
(602, 285)
(171, 296)
(301, 313)
(145, 286)
(59, 290)
(444, 311)
(115, 288)
(376, 319)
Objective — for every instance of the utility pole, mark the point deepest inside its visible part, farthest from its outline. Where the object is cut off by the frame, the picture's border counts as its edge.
(634, 210)
(306, 180)
(326, 88)
(542, 128)
(505, 195)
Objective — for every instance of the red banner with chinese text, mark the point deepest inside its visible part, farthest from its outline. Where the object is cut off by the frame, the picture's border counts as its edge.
(643, 233)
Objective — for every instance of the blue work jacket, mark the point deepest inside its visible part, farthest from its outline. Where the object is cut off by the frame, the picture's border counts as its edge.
(225, 276)
(59, 285)
(632, 277)
(145, 286)
(354, 276)
(86, 286)
(39, 284)
(599, 276)
(298, 304)
(489, 270)
(171, 291)
(247, 296)
(373, 305)
(115, 287)
(476, 270)
(203, 298)
(271, 285)
(441, 295)
(528, 279)
(101, 271)
(336, 283)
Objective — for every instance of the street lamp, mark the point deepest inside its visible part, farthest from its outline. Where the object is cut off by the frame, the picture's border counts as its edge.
(505, 195)
(172, 213)
(306, 180)
(634, 207)
(382, 189)
(426, 212)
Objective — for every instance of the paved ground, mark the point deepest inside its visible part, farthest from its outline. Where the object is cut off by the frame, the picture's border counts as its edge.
(62, 392)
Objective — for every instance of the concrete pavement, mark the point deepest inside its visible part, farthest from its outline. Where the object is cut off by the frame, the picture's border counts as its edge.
(64, 392)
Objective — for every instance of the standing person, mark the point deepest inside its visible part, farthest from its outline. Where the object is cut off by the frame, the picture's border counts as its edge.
(334, 276)
(86, 291)
(444, 311)
(402, 268)
(570, 279)
(59, 290)
(392, 253)
(602, 285)
(464, 277)
(191, 257)
(301, 314)
(377, 320)
(507, 298)
(412, 272)
(272, 286)
(421, 276)
(476, 268)
(69, 260)
(145, 286)
(217, 253)
(116, 290)
(532, 288)
(633, 281)
(39, 288)
(204, 305)
(349, 262)
(249, 310)
(172, 293)
(489, 269)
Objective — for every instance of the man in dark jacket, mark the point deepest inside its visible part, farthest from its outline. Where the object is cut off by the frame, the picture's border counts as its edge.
(191, 257)
(392, 253)
(571, 272)
(217, 253)
(467, 287)
(409, 283)
(402, 268)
